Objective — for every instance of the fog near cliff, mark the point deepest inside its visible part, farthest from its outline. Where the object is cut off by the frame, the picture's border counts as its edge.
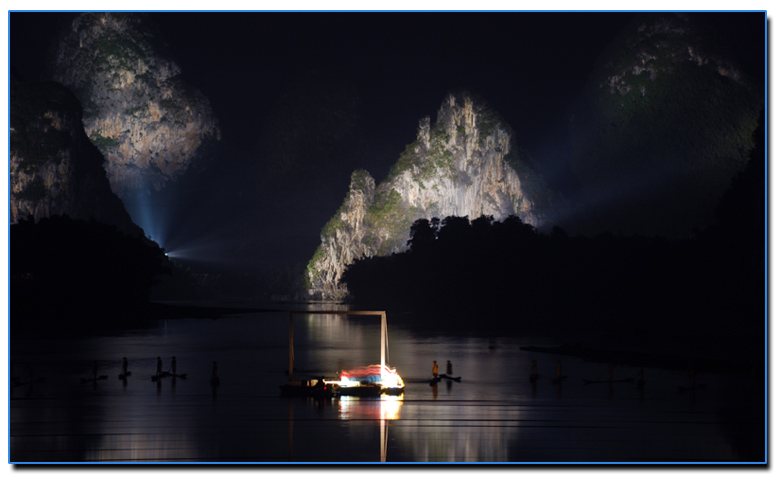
(303, 99)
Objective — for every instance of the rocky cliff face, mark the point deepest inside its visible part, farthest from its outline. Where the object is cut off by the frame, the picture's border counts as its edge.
(466, 164)
(662, 126)
(143, 118)
(54, 168)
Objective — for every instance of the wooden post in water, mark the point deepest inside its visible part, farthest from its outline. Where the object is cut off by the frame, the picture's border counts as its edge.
(290, 358)
(383, 338)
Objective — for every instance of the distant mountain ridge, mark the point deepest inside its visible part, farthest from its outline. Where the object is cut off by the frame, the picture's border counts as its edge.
(465, 164)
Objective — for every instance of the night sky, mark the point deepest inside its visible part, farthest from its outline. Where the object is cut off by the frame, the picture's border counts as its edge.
(363, 80)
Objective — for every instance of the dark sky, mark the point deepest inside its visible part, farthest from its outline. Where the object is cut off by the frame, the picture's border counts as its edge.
(402, 64)
(379, 72)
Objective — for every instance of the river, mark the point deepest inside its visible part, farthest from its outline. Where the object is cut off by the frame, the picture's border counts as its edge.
(494, 414)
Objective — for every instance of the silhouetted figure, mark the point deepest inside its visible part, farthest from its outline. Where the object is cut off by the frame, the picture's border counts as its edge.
(124, 366)
(534, 372)
(214, 377)
(435, 369)
(449, 368)
(159, 367)
(94, 371)
(173, 365)
(692, 383)
(559, 377)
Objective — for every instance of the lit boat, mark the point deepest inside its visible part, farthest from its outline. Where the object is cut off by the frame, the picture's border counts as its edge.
(315, 388)
(371, 380)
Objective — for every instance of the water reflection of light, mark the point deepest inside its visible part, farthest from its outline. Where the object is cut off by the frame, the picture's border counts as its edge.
(142, 447)
(458, 432)
(355, 338)
(329, 329)
(384, 407)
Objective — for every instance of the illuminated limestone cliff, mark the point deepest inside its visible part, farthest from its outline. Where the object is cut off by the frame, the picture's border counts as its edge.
(54, 168)
(663, 124)
(146, 121)
(466, 164)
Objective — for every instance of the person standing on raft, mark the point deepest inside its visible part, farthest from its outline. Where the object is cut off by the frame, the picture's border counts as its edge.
(159, 367)
(173, 365)
(435, 369)
(449, 368)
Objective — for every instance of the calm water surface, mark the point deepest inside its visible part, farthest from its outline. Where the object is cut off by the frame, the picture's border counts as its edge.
(493, 415)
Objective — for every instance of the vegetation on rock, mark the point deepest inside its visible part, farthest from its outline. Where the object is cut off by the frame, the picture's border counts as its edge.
(54, 169)
(664, 115)
(146, 121)
(466, 163)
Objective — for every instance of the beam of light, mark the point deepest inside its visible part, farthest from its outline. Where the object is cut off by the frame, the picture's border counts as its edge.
(152, 218)
(188, 233)
(213, 249)
(628, 193)
(193, 252)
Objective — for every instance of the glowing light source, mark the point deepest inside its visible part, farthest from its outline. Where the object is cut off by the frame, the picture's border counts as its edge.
(369, 380)
(377, 374)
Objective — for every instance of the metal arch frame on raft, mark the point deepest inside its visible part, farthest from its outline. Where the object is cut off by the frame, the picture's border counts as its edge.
(382, 335)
